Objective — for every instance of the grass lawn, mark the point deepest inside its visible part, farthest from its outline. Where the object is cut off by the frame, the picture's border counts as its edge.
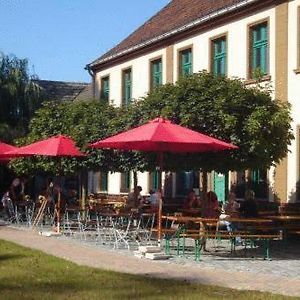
(30, 274)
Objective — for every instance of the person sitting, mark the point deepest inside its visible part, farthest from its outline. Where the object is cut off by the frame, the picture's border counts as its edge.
(231, 209)
(153, 198)
(192, 201)
(17, 189)
(134, 198)
(248, 208)
(7, 205)
(212, 207)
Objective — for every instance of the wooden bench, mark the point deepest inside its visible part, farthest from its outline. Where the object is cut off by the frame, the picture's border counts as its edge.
(232, 235)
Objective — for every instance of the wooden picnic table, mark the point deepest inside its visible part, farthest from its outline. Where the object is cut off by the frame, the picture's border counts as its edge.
(193, 212)
(284, 218)
(249, 220)
(186, 219)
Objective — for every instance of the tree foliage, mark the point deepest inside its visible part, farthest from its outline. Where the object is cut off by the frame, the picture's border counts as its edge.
(19, 97)
(217, 106)
(226, 109)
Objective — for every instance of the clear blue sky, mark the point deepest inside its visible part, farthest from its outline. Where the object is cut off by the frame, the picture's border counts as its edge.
(59, 37)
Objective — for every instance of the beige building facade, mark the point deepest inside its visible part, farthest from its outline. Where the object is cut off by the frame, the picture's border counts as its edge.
(228, 37)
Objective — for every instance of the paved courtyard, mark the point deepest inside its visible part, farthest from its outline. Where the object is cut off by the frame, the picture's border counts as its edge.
(241, 271)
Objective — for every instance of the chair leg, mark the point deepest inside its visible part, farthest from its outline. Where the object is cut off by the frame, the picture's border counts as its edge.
(267, 249)
(197, 249)
(167, 245)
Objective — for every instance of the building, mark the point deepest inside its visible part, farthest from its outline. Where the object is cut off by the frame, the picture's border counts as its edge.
(230, 37)
(62, 91)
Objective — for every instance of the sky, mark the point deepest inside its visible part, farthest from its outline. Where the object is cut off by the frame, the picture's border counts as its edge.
(59, 37)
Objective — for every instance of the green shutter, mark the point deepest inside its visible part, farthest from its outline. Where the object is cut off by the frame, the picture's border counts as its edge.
(156, 73)
(127, 87)
(105, 89)
(219, 56)
(260, 48)
(186, 67)
(183, 183)
(103, 181)
(125, 182)
(154, 178)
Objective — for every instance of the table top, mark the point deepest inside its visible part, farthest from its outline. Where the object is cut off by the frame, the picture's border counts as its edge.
(191, 211)
(248, 220)
(284, 218)
(186, 219)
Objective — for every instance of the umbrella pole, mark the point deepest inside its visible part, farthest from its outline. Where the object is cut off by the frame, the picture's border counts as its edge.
(58, 211)
(59, 197)
(160, 202)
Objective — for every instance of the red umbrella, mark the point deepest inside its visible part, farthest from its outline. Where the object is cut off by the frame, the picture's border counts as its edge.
(4, 148)
(57, 146)
(160, 135)
(54, 146)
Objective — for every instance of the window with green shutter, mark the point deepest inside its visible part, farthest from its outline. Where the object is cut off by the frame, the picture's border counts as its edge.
(219, 56)
(153, 180)
(259, 183)
(156, 73)
(127, 87)
(125, 182)
(105, 89)
(186, 64)
(103, 181)
(259, 50)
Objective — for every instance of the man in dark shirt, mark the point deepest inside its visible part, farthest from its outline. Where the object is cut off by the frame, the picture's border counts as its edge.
(248, 208)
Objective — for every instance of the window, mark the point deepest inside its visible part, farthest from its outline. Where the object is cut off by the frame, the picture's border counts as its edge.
(103, 181)
(127, 87)
(259, 50)
(153, 180)
(219, 56)
(105, 89)
(259, 183)
(185, 62)
(156, 73)
(125, 182)
(186, 181)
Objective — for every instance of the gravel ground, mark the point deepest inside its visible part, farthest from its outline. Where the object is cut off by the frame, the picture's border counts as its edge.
(281, 275)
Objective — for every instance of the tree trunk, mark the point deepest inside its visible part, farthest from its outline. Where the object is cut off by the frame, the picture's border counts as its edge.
(83, 188)
(204, 184)
(135, 179)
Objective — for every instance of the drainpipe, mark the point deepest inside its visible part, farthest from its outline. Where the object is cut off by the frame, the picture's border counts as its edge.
(93, 75)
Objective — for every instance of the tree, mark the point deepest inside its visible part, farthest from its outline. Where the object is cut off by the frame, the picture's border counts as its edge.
(19, 97)
(83, 121)
(217, 106)
(226, 109)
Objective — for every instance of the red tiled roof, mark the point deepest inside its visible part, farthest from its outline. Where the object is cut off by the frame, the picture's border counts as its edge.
(174, 15)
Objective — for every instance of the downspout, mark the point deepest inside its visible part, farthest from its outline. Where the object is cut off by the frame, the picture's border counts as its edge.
(93, 75)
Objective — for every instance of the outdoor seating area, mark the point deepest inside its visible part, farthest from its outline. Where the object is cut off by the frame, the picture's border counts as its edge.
(105, 221)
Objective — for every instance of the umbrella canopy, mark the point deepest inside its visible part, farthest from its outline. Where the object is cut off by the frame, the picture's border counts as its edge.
(4, 148)
(160, 135)
(59, 146)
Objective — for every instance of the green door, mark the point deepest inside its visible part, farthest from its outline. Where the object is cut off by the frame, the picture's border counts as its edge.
(220, 186)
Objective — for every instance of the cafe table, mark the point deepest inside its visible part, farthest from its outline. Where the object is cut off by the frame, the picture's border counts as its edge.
(183, 222)
(286, 223)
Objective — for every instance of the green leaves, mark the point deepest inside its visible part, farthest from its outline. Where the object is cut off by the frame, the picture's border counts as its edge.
(225, 109)
(19, 96)
(217, 106)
